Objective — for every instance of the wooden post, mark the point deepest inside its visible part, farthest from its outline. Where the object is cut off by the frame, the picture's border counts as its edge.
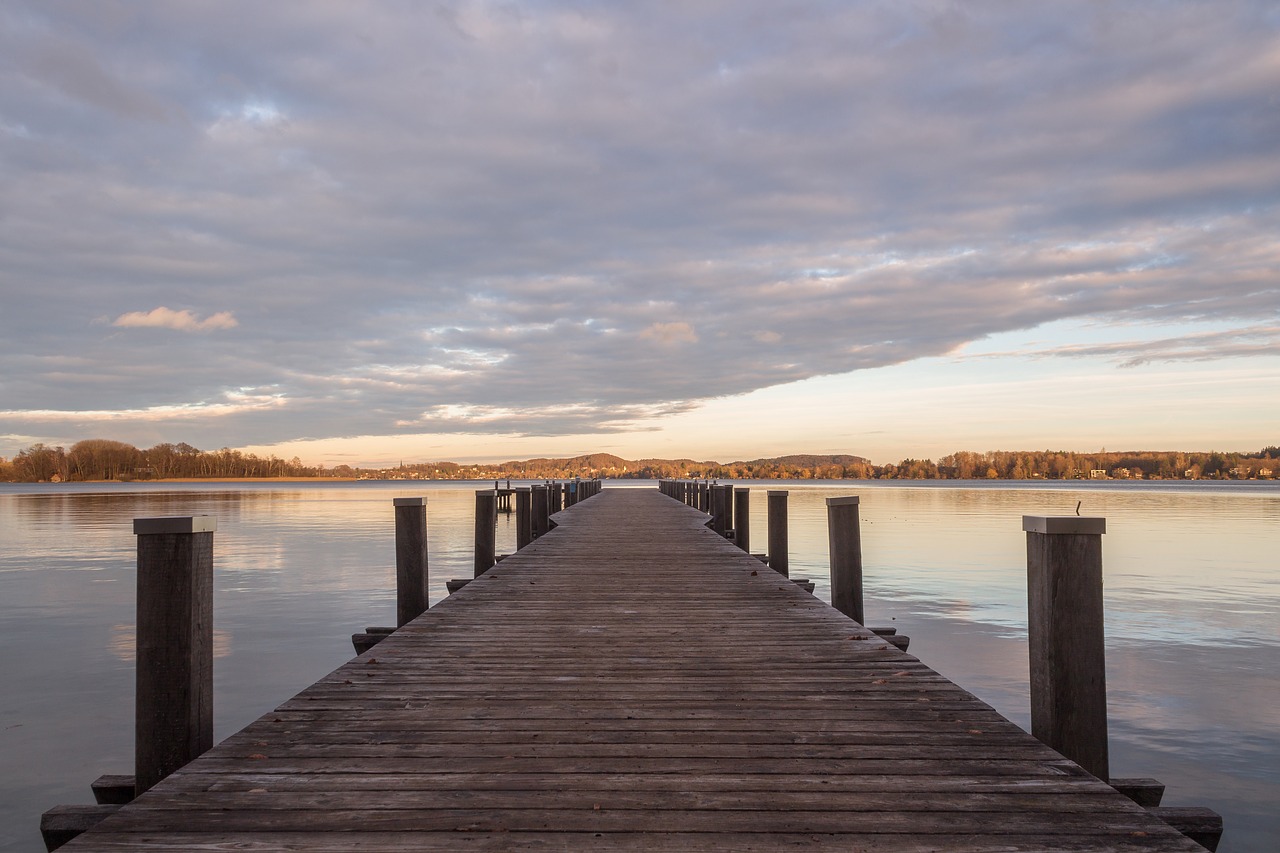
(539, 518)
(845, 541)
(717, 509)
(174, 701)
(728, 507)
(1065, 637)
(524, 516)
(486, 530)
(555, 495)
(742, 519)
(411, 559)
(779, 559)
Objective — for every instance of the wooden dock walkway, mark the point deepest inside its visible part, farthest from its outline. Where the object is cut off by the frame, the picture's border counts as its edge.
(631, 681)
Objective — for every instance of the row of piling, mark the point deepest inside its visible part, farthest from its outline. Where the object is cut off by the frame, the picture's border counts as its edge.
(1064, 624)
(174, 633)
(174, 689)
(729, 509)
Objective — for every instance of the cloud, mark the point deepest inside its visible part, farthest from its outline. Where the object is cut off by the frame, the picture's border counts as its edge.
(534, 217)
(669, 334)
(183, 321)
(1196, 346)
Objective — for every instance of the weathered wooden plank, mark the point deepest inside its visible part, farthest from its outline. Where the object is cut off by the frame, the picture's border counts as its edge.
(588, 818)
(659, 842)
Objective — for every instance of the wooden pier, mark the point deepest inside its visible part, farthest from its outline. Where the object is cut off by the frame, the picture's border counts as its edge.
(632, 681)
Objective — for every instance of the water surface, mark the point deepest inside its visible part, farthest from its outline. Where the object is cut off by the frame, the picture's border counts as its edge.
(1192, 598)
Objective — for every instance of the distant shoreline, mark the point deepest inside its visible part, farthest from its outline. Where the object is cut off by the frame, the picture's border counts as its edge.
(232, 480)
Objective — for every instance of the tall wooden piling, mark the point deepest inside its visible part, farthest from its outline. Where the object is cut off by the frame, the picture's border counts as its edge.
(1065, 637)
(718, 499)
(486, 530)
(540, 522)
(411, 559)
(845, 542)
(779, 558)
(742, 519)
(524, 516)
(174, 701)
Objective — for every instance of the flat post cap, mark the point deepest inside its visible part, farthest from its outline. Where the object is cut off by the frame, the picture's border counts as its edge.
(1057, 524)
(174, 524)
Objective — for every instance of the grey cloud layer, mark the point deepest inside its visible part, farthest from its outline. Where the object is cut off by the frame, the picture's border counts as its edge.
(554, 217)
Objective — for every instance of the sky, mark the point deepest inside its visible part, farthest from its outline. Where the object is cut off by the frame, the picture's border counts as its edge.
(370, 232)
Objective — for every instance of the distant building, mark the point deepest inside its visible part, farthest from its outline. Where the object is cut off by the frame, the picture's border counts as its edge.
(1097, 474)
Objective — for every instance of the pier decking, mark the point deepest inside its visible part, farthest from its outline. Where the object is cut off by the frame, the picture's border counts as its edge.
(632, 681)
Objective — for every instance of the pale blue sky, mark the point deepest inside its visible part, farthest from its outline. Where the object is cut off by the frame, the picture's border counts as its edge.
(370, 232)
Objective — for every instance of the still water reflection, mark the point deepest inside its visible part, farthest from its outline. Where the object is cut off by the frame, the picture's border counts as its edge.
(1192, 597)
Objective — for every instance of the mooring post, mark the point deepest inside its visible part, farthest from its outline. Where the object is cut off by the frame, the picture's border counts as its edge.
(742, 519)
(486, 530)
(174, 702)
(845, 543)
(556, 494)
(779, 559)
(717, 510)
(539, 524)
(524, 513)
(411, 559)
(728, 507)
(1065, 637)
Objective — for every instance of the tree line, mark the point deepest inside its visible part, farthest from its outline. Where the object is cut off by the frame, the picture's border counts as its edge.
(1024, 465)
(103, 459)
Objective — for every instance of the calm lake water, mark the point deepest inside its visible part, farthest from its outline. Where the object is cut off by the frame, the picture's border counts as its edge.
(1192, 598)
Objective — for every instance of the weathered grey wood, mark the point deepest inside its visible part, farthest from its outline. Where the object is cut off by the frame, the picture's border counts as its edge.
(524, 516)
(779, 549)
(845, 548)
(540, 519)
(363, 641)
(1065, 637)
(60, 824)
(1201, 825)
(486, 538)
(455, 584)
(1143, 791)
(411, 559)
(116, 790)
(742, 518)
(719, 514)
(901, 642)
(174, 691)
(605, 710)
(883, 631)
(479, 837)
